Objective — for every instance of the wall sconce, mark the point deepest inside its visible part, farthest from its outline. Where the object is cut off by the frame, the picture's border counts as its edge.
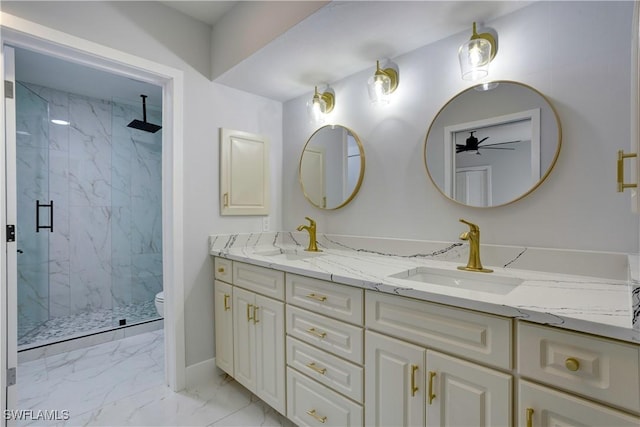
(476, 54)
(321, 104)
(383, 83)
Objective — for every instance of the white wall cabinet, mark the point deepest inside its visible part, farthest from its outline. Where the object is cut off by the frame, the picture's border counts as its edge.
(394, 382)
(244, 173)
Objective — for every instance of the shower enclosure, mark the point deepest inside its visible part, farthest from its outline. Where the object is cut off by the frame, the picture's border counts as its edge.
(89, 229)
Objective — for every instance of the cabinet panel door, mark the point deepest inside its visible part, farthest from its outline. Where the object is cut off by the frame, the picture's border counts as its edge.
(224, 326)
(552, 408)
(465, 394)
(394, 382)
(244, 347)
(270, 352)
(244, 173)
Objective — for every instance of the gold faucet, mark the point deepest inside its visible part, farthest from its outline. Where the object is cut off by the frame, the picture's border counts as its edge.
(473, 236)
(311, 228)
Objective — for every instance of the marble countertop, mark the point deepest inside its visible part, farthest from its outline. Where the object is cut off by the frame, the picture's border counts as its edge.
(601, 306)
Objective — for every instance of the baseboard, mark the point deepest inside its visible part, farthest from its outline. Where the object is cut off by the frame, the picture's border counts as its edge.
(202, 372)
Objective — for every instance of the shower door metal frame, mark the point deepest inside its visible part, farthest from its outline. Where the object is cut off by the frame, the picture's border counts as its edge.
(8, 264)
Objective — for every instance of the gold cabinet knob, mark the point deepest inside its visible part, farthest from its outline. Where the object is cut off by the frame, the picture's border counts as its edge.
(221, 270)
(572, 364)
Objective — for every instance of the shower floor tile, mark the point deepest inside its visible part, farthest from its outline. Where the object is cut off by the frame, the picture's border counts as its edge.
(76, 325)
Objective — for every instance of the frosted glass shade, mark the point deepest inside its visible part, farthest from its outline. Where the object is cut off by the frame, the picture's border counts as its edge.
(474, 57)
(379, 87)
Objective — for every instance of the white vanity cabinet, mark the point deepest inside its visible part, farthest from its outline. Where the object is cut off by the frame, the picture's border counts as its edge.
(254, 338)
(598, 372)
(410, 384)
(324, 352)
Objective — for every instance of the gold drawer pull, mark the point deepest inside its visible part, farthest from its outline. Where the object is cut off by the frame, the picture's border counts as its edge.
(249, 311)
(221, 270)
(314, 414)
(316, 333)
(432, 395)
(226, 200)
(621, 157)
(255, 314)
(316, 297)
(227, 307)
(572, 364)
(414, 387)
(313, 366)
(529, 417)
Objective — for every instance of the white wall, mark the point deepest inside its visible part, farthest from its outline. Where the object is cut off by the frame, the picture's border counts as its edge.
(576, 53)
(161, 34)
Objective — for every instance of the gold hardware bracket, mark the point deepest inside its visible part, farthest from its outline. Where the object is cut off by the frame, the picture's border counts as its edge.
(414, 387)
(572, 364)
(313, 366)
(315, 332)
(227, 307)
(255, 314)
(317, 297)
(620, 181)
(488, 37)
(314, 414)
(432, 395)
(529, 417)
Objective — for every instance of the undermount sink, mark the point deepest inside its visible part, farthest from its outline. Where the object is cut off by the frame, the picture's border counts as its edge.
(290, 254)
(485, 282)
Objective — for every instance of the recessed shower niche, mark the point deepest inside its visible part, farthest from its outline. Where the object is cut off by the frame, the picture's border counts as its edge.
(89, 232)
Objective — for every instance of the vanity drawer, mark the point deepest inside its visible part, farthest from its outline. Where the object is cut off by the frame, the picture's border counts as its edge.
(469, 334)
(331, 299)
(223, 269)
(262, 280)
(602, 369)
(328, 334)
(338, 374)
(312, 404)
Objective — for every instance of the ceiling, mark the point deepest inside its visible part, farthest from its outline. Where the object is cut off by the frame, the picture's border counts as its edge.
(346, 37)
(340, 39)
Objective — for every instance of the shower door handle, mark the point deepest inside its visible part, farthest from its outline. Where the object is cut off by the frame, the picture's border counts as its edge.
(44, 227)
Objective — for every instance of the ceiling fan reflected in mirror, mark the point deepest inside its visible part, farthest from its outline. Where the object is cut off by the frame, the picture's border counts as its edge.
(473, 144)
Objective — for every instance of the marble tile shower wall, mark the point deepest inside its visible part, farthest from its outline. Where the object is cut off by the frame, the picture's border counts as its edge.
(105, 181)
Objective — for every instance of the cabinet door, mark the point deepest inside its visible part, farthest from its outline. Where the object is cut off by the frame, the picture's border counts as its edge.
(394, 382)
(270, 352)
(244, 343)
(461, 393)
(224, 326)
(540, 406)
(244, 173)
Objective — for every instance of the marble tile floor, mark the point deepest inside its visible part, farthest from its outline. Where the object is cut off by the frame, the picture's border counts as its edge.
(121, 383)
(52, 330)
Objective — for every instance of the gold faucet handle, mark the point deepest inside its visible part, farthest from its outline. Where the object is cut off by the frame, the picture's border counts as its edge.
(312, 223)
(472, 226)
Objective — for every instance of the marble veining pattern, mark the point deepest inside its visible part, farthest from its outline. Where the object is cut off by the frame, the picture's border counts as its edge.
(121, 383)
(39, 333)
(105, 179)
(600, 303)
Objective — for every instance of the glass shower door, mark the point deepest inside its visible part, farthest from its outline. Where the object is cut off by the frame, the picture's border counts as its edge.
(34, 209)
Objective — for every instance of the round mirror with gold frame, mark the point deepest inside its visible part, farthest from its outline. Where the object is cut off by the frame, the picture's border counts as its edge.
(490, 146)
(331, 167)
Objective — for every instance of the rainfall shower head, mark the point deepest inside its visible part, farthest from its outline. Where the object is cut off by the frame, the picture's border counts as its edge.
(144, 124)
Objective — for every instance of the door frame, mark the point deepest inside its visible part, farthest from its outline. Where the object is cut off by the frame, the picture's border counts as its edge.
(21, 33)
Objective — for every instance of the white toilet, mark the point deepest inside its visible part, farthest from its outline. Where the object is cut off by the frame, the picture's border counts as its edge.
(160, 303)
